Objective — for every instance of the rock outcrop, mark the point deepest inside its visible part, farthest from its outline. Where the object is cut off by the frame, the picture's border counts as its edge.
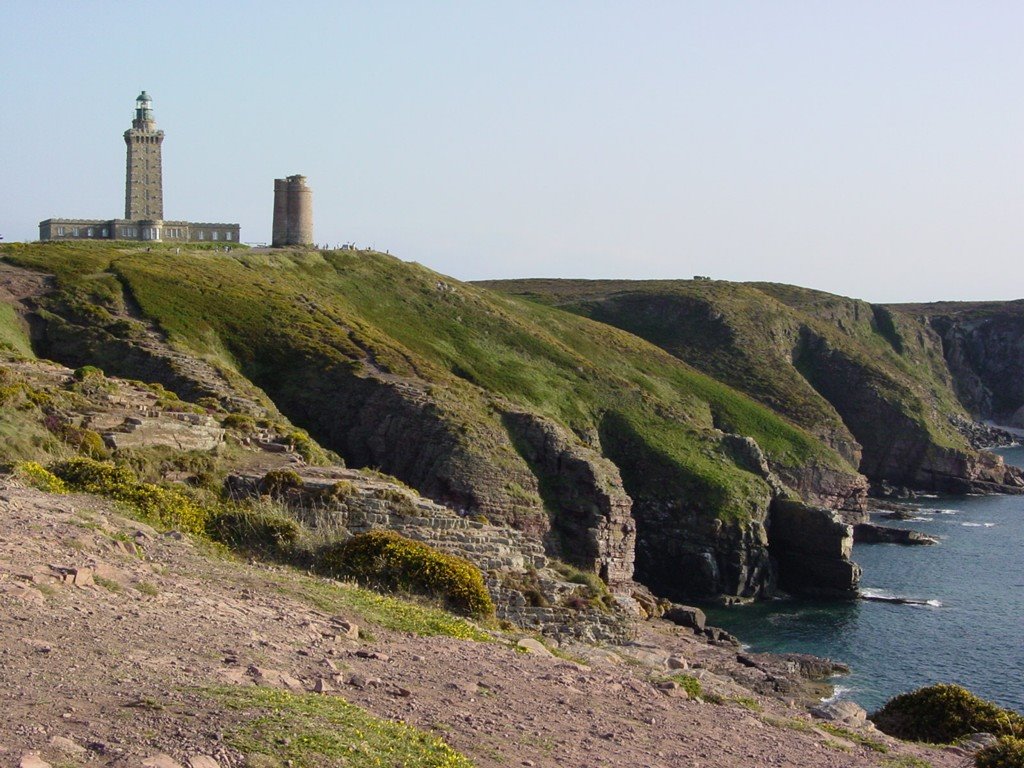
(984, 348)
(361, 504)
(812, 547)
(592, 515)
(440, 442)
(870, 533)
(182, 431)
(343, 502)
(683, 554)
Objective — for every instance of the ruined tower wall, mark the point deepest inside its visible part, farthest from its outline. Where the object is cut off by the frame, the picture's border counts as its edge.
(293, 212)
(279, 233)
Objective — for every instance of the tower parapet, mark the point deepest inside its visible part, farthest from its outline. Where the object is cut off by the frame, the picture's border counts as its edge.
(293, 212)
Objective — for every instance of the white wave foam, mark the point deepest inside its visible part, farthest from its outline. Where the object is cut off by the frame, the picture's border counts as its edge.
(884, 596)
(872, 592)
(978, 525)
(838, 692)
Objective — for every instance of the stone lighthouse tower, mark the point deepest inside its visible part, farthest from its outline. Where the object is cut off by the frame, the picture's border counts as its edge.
(293, 212)
(144, 192)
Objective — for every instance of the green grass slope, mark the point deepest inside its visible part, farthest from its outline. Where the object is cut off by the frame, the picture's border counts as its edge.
(845, 371)
(303, 324)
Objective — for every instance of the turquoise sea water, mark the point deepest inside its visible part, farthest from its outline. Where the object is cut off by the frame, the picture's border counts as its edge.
(972, 634)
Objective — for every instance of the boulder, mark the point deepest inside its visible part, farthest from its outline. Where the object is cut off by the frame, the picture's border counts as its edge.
(845, 712)
(718, 636)
(161, 761)
(68, 746)
(530, 645)
(977, 742)
(686, 616)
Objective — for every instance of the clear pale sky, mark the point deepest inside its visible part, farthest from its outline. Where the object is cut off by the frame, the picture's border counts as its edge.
(872, 149)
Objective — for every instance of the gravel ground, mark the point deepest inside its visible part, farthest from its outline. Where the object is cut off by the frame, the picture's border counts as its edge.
(115, 665)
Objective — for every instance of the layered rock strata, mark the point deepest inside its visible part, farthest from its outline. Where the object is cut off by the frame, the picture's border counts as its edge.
(594, 527)
(812, 547)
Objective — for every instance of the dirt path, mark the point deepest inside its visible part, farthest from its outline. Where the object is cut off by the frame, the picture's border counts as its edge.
(121, 666)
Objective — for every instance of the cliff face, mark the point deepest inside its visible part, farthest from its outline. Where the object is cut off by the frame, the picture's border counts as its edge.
(529, 417)
(608, 449)
(591, 518)
(869, 381)
(812, 547)
(983, 345)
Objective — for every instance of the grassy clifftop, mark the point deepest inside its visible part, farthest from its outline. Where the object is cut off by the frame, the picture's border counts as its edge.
(301, 324)
(868, 380)
(617, 433)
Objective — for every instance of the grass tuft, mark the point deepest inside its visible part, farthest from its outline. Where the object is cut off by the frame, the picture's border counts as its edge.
(313, 731)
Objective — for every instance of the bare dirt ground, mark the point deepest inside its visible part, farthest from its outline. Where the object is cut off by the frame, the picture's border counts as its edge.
(116, 666)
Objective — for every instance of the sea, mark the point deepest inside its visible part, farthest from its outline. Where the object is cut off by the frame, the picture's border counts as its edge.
(966, 625)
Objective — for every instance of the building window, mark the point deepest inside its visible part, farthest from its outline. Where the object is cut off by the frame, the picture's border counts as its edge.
(88, 232)
(74, 231)
(227, 235)
(216, 235)
(60, 230)
(103, 232)
(201, 235)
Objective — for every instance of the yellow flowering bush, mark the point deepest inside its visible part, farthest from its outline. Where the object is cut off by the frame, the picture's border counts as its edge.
(162, 505)
(387, 560)
(34, 474)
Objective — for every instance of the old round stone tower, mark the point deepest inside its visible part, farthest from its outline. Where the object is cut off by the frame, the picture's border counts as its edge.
(293, 212)
(144, 191)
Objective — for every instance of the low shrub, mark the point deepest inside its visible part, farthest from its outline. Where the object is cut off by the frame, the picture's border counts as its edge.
(212, 404)
(343, 489)
(243, 422)
(595, 592)
(89, 380)
(690, 684)
(34, 474)
(1008, 752)
(528, 585)
(87, 372)
(304, 445)
(260, 531)
(386, 560)
(85, 441)
(11, 385)
(941, 714)
(277, 482)
(161, 505)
